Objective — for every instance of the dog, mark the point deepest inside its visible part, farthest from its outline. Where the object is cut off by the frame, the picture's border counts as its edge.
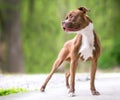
(84, 46)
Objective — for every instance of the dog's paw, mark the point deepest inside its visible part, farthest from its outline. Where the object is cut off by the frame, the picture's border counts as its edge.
(95, 92)
(71, 94)
(42, 89)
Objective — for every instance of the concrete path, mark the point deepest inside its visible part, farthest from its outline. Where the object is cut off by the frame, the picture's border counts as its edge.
(107, 84)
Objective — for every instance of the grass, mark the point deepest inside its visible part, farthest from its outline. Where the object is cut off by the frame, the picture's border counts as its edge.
(4, 92)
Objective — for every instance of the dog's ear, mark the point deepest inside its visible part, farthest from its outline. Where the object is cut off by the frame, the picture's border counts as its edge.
(84, 9)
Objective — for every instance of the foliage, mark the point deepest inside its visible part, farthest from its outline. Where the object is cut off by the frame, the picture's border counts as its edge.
(43, 36)
(11, 91)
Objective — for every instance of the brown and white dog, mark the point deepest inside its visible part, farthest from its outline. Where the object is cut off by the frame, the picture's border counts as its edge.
(85, 46)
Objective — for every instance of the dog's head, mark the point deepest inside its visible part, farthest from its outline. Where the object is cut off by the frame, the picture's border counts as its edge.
(76, 20)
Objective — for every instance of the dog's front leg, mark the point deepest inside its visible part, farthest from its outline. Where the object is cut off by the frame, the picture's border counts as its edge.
(55, 66)
(61, 57)
(92, 82)
(73, 67)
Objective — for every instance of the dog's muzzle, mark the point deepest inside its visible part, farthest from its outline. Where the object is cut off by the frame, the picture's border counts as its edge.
(70, 26)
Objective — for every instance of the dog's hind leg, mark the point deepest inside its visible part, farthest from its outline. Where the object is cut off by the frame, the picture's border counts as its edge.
(61, 57)
(67, 75)
(93, 72)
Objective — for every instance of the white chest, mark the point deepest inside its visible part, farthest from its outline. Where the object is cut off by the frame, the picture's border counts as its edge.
(87, 46)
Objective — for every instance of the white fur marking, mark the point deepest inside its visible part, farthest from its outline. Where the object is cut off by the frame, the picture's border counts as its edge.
(71, 94)
(87, 46)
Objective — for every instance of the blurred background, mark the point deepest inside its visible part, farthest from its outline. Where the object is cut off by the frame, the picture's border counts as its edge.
(31, 35)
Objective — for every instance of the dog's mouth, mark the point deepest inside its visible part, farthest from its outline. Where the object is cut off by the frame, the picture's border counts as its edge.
(67, 27)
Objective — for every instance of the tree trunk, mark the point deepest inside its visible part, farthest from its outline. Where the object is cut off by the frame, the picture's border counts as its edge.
(12, 29)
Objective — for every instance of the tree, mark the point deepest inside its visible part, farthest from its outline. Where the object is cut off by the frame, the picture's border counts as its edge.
(10, 14)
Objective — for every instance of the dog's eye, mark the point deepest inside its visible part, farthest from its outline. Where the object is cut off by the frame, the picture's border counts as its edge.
(70, 15)
(66, 17)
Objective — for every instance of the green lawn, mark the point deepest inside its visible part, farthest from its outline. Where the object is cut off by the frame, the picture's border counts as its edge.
(4, 92)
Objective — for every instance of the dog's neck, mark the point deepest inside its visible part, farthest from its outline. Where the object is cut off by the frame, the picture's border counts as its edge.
(86, 29)
(87, 46)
